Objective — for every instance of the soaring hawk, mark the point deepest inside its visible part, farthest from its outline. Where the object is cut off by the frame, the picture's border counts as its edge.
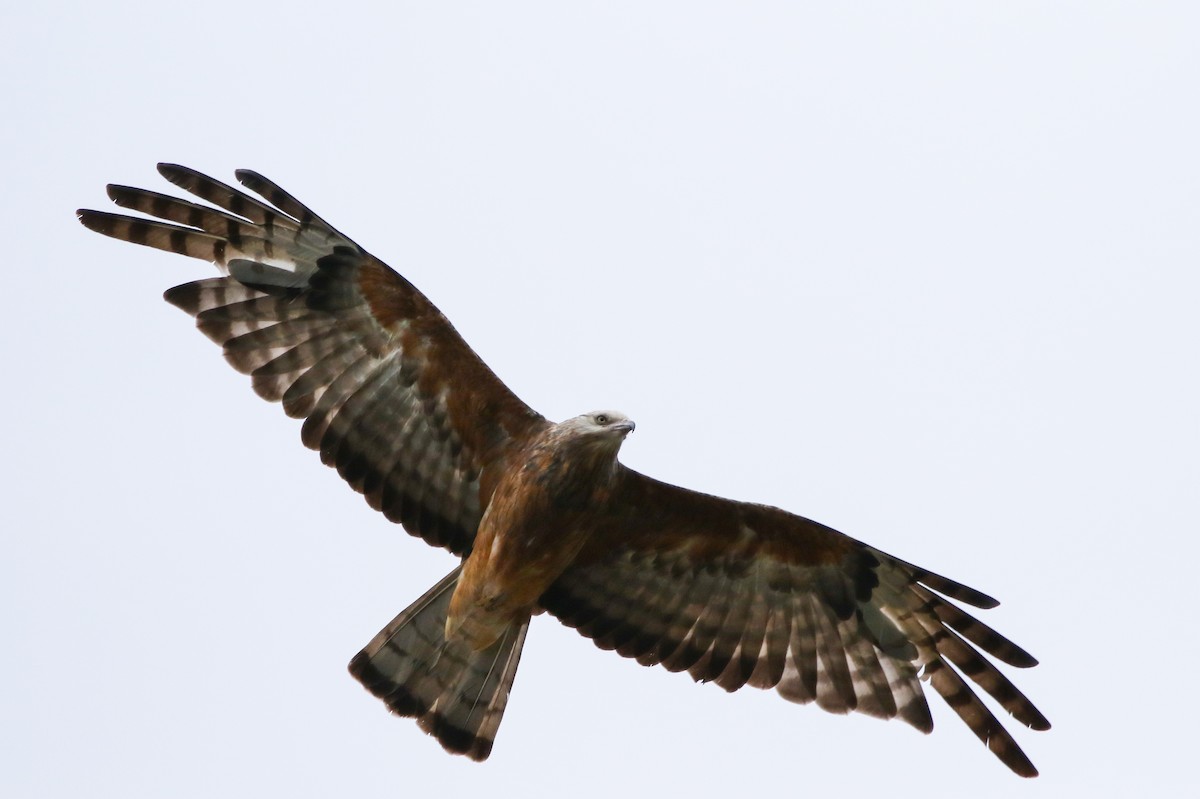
(542, 515)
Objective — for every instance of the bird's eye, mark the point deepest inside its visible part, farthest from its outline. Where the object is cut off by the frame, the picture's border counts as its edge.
(601, 418)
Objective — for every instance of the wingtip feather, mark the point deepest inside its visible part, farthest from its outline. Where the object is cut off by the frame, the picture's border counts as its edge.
(97, 221)
(185, 297)
(175, 173)
(245, 176)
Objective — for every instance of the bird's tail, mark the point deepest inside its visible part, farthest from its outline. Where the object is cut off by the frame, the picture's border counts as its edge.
(455, 693)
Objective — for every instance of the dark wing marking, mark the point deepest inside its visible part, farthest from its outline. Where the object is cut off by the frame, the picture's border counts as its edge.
(744, 594)
(390, 394)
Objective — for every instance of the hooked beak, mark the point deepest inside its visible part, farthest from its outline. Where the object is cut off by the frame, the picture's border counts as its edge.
(625, 427)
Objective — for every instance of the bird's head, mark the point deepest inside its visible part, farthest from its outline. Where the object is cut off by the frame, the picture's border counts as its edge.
(607, 428)
(608, 423)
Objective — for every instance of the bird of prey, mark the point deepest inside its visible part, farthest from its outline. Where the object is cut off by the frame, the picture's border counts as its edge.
(542, 515)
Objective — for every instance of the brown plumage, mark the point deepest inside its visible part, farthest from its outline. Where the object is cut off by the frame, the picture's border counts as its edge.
(543, 515)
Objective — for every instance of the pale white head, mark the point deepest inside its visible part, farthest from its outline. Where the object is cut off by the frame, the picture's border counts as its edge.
(610, 422)
(606, 426)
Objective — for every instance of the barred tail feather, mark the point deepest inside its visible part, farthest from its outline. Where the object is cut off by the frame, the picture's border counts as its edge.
(455, 693)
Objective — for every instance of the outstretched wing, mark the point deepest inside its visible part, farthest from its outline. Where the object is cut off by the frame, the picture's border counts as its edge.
(389, 392)
(744, 594)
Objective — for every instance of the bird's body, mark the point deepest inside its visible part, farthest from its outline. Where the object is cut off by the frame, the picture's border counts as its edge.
(540, 516)
(543, 516)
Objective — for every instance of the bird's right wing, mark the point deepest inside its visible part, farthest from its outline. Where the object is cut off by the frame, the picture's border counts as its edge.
(391, 395)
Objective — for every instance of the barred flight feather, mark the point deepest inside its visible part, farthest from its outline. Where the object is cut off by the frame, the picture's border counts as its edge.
(646, 642)
(749, 645)
(301, 398)
(710, 594)
(772, 661)
(835, 688)
(978, 633)
(799, 680)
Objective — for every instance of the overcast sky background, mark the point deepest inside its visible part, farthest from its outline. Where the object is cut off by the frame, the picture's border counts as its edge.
(926, 272)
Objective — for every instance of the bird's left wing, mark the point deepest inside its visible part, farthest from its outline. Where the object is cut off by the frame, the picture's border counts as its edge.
(744, 594)
(390, 393)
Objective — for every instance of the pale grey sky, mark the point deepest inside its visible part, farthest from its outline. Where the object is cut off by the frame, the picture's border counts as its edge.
(926, 272)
